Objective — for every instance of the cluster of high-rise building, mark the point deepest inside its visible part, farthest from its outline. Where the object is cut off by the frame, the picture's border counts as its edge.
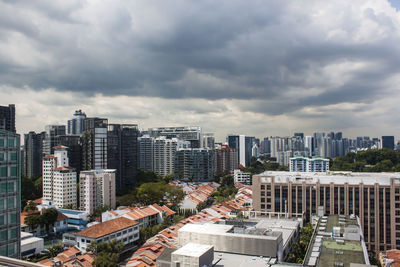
(328, 145)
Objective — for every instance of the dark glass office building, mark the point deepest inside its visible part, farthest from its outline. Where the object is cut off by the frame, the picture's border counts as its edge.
(123, 153)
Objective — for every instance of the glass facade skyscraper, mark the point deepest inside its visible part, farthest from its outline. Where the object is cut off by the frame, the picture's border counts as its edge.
(10, 194)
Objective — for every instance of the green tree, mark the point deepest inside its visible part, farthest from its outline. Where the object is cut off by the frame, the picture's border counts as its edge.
(33, 221)
(98, 212)
(174, 195)
(107, 253)
(55, 250)
(149, 193)
(48, 218)
(31, 206)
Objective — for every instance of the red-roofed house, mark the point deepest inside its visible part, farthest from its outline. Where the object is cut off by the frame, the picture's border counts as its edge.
(120, 229)
(145, 216)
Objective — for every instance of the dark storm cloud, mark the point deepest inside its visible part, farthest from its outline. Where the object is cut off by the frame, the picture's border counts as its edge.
(274, 51)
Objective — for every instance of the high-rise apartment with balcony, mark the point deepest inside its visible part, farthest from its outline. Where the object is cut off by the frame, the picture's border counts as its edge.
(146, 152)
(193, 134)
(96, 189)
(305, 164)
(225, 159)
(373, 197)
(10, 195)
(164, 154)
(194, 164)
(94, 144)
(59, 179)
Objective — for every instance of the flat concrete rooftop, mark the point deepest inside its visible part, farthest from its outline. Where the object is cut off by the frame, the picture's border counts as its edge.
(354, 178)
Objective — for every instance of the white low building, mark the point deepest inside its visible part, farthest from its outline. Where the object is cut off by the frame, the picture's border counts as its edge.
(30, 245)
(241, 177)
(120, 229)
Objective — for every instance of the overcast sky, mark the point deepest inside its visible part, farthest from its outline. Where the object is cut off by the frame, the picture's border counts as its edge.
(249, 67)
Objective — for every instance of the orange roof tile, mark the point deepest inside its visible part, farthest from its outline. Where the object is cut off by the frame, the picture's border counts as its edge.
(108, 227)
(60, 147)
(47, 262)
(70, 252)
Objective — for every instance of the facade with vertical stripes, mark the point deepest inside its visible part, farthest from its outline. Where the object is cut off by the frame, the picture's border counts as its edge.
(373, 197)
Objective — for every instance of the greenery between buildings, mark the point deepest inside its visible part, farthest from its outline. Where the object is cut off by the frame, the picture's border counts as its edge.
(107, 253)
(152, 230)
(371, 160)
(53, 252)
(152, 189)
(46, 219)
(299, 249)
(31, 189)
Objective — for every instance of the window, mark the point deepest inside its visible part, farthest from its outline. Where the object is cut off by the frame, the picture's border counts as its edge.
(13, 156)
(13, 233)
(124, 232)
(2, 156)
(118, 234)
(13, 171)
(3, 171)
(11, 249)
(130, 230)
(2, 219)
(11, 142)
(1, 204)
(3, 249)
(11, 202)
(1, 142)
(3, 188)
(11, 187)
(3, 235)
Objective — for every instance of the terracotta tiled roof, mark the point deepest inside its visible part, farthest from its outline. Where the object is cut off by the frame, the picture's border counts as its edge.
(61, 216)
(47, 262)
(49, 157)
(37, 201)
(71, 252)
(108, 227)
(60, 147)
(394, 255)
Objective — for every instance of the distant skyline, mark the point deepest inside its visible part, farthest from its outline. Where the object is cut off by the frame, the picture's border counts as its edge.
(258, 68)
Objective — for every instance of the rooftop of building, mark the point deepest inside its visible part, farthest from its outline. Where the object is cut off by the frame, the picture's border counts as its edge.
(231, 230)
(192, 250)
(64, 169)
(327, 249)
(98, 171)
(309, 158)
(392, 256)
(222, 259)
(106, 228)
(59, 147)
(337, 177)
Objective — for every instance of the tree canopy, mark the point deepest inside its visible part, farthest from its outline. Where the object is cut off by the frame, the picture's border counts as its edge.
(371, 160)
(107, 253)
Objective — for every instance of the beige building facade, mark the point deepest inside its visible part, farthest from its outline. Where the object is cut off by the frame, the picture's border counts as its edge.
(373, 197)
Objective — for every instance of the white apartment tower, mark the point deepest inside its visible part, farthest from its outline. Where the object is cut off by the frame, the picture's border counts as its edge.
(96, 189)
(164, 154)
(59, 180)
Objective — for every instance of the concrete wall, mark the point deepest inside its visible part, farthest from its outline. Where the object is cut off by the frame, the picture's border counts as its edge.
(234, 243)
